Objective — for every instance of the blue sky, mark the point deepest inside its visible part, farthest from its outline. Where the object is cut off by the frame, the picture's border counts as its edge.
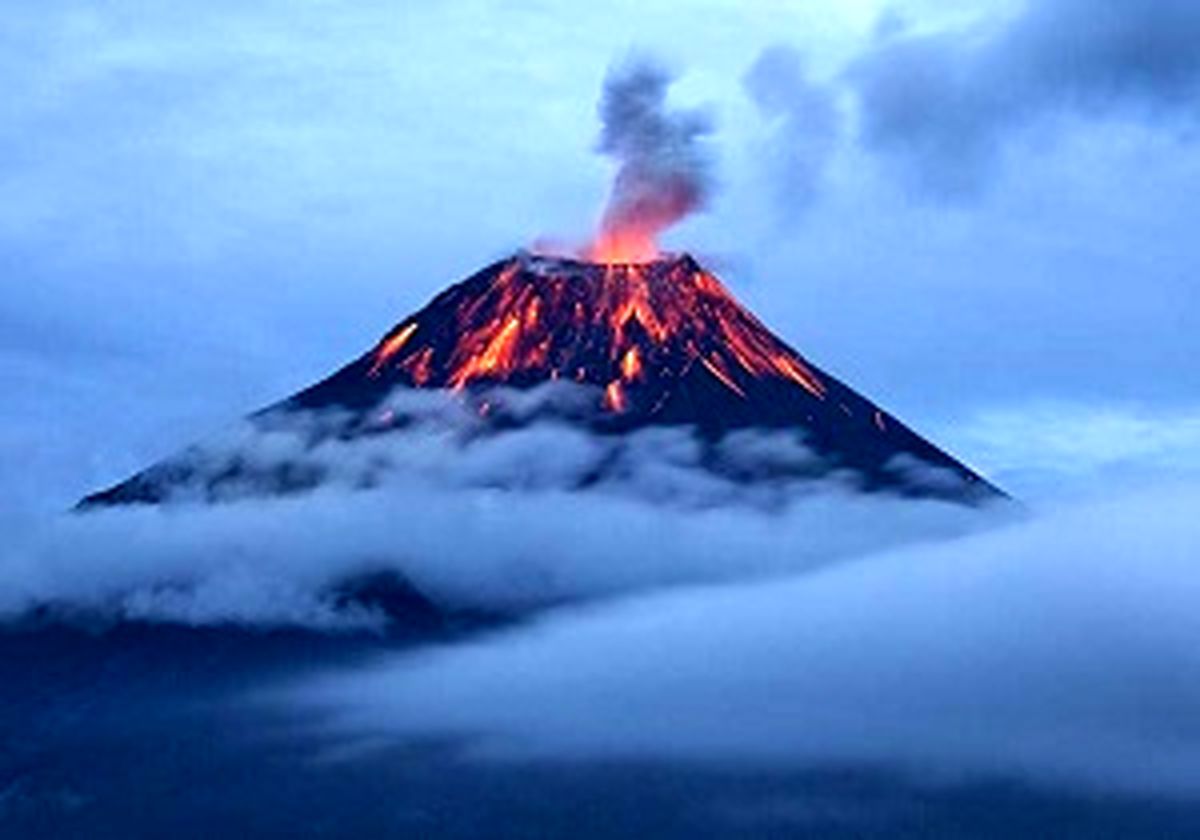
(210, 205)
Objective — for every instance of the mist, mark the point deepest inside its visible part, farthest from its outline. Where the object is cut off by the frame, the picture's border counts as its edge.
(1059, 651)
(504, 524)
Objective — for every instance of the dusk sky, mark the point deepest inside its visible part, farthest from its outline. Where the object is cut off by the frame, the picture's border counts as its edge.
(982, 218)
(397, 608)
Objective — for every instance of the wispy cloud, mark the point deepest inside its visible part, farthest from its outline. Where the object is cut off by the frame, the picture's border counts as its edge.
(503, 524)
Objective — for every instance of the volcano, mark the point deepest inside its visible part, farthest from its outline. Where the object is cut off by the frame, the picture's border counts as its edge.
(654, 343)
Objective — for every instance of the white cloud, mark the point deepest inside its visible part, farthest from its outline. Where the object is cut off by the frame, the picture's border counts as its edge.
(493, 523)
(1060, 650)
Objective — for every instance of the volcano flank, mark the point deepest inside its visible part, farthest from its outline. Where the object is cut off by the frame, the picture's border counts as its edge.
(660, 343)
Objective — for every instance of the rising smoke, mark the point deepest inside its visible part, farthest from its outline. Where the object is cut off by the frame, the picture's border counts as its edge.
(664, 169)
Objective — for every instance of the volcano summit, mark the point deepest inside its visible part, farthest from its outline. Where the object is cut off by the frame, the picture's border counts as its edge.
(660, 343)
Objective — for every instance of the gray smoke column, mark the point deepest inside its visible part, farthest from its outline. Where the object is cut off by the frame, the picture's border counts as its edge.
(663, 168)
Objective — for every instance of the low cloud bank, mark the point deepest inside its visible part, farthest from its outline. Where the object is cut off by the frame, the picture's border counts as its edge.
(501, 523)
(1061, 649)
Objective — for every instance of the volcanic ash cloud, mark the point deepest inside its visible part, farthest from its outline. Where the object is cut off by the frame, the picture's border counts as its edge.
(664, 169)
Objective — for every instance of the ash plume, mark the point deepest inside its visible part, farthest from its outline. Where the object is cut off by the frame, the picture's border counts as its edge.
(664, 171)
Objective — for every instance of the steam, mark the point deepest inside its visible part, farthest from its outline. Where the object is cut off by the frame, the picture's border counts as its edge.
(664, 171)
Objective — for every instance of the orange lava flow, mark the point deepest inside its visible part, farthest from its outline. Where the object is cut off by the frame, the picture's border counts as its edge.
(717, 369)
(391, 346)
(496, 356)
(614, 397)
(631, 364)
(627, 328)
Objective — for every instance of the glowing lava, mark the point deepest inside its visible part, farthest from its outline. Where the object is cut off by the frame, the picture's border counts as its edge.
(623, 246)
(633, 329)
(654, 344)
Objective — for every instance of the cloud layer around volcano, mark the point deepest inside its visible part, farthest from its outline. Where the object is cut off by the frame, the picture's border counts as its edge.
(1059, 650)
(499, 524)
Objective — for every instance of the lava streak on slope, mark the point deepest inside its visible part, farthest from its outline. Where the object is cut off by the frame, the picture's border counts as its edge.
(629, 328)
(660, 343)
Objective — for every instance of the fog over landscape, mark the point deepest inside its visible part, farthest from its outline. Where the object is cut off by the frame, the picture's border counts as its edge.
(1035, 650)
